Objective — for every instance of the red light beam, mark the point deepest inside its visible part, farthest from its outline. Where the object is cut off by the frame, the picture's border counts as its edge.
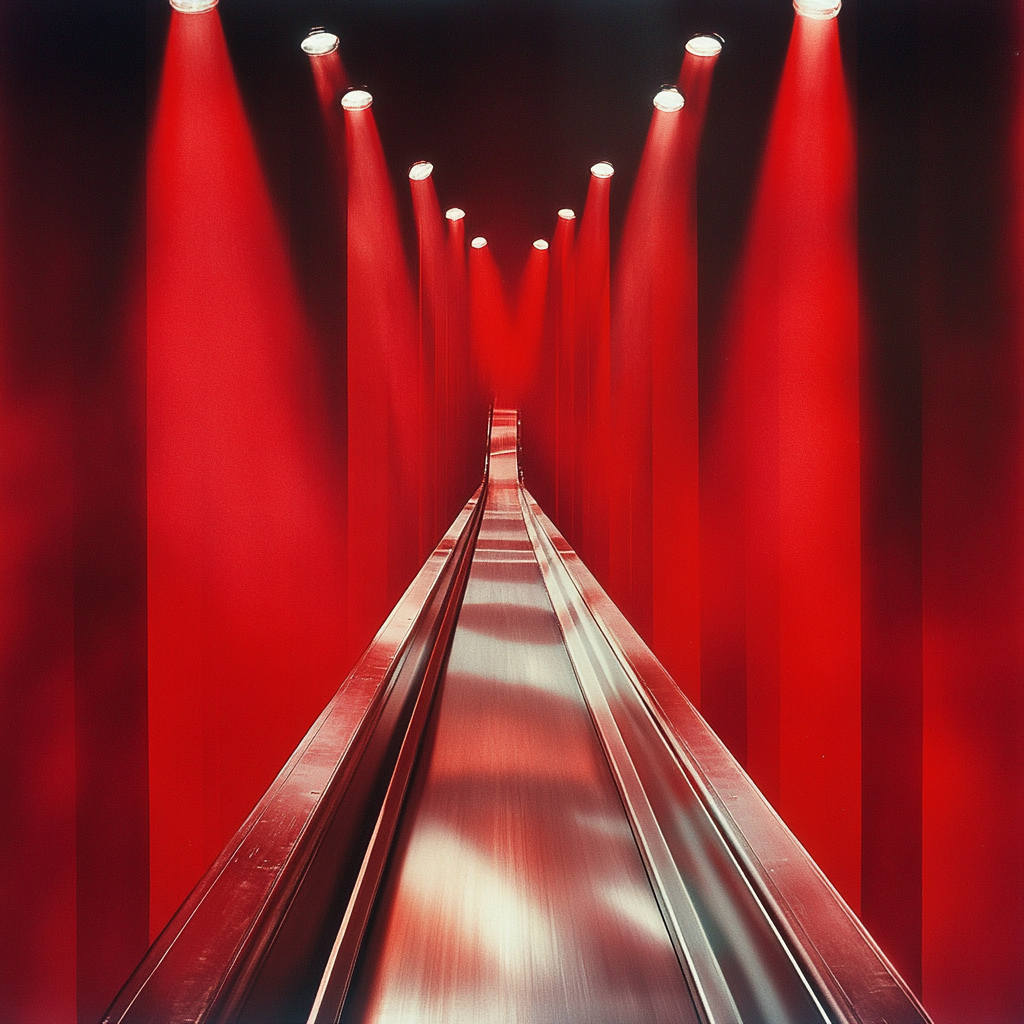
(796, 342)
(593, 375)
(383, 385)
(245, 523)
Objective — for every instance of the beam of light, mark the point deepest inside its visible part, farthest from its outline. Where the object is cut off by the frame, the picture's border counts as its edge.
(245, 522)
(654, 561)
(563, 285)
(330, 80)
(490, 323)
(694, 82)
(592, 372)
(434, 357)
(631, 553)
(675, 460)
(328, 73)
(384, 419)
(972, 555)
(527, 338)
(537, 341)
(794, 350)
(468, 408)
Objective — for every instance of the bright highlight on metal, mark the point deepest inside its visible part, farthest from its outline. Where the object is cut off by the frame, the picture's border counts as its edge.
(356, 99)
(455, 213)
(602, 170)
(822, 10)
(669, 100)
(567, 214)
(421, 170)
(319, 43)
(540, 244)
(704, 46)
(193, 6)
(479, 242)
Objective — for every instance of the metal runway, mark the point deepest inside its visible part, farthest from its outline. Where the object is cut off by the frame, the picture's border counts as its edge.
(510, 813)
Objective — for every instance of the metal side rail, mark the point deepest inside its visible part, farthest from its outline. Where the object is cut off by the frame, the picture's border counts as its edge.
(251, 940)
(760, 932)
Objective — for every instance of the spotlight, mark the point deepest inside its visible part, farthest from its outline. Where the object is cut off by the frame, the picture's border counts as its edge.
(669, 100)
(567, 214)
(193, 6)
(540, 244)
(479, 242)
(705, 46)
(356, 99)
(455, 213)
(821, 10)
(319, 43)
(421, 170)
(602, 170)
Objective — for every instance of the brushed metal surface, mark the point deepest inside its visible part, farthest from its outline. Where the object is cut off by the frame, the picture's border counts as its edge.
(515, 890)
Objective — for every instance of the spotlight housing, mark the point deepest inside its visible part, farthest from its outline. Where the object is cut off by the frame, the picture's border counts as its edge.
(479, 242)
(193, 6)
(567, 214)
(540, 244)
(602, 169)
(455, 213)
(820, 10)
(319, 43)
(705, 46)
(670, 100)
(356, 99)
(421, 170)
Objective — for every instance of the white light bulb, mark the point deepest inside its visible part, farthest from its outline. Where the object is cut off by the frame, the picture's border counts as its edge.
(669, 100)
(704, 46)
(319, 43)
(356, 99)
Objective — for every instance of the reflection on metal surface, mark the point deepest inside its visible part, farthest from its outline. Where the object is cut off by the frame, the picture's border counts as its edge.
(591, 664)
(510, 812)
(502, 903)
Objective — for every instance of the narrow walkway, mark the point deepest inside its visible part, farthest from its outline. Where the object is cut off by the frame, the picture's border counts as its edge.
(515, 889)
